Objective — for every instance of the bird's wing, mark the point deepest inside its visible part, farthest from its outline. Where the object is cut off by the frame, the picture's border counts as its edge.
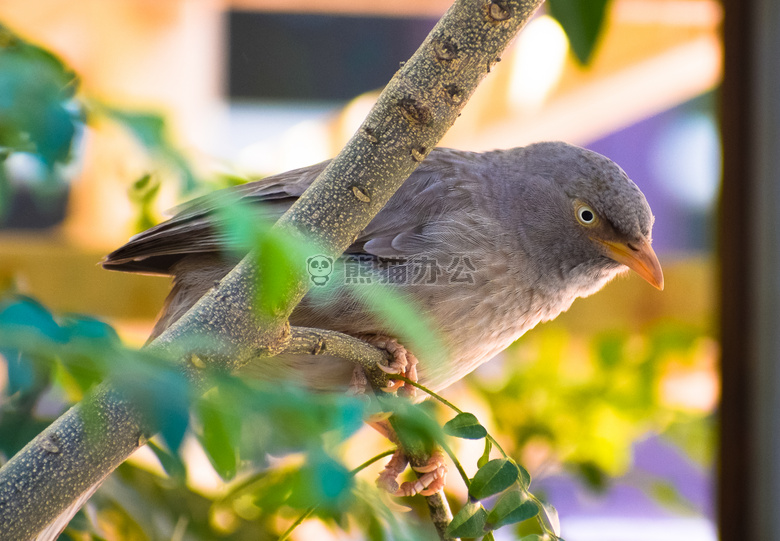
(428, 205)
(194, 229)
(399, 230)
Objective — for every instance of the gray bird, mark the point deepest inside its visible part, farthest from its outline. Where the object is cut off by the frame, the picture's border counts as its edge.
(487, 245)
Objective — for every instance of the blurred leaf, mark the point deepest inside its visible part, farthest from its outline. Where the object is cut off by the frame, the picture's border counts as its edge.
(494, 477)
(413, 424)
(595, 478)
(24, 319)
(610, 349)
(278, 270)
(143, 193)
(267, 490)
(150, 130)
(667, 494)
(171, 463)
(21, 376)
(465, 425)
(88, 328)
(280, 260)
(18, 425)
(405, 319)
(35, 92)
(150, 507)
(90, 343)
(162, 392)
(23, 314)
(219, 434)
(582, 21)
(322, 482)
(695, 436)
(486, 454)
(513, 506)
(550, 518)
(469, 522)
(386, 523)
(669, 337)
(241, 223)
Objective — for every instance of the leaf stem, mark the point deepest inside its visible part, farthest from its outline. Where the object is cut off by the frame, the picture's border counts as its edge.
(426, 390)
(297, 523)
(371, 460)
(447, 403)
(457, 463)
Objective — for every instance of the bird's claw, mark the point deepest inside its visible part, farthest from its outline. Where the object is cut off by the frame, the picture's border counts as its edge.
(358, 384)
(388, 478)
(403, 363)
(432, 481)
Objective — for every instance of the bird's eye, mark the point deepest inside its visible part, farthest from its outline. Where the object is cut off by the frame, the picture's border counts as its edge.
(585, 215)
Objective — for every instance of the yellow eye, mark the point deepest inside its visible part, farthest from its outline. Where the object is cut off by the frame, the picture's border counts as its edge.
(586, 215)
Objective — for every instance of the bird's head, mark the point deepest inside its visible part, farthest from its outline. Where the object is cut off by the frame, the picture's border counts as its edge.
(594, 220)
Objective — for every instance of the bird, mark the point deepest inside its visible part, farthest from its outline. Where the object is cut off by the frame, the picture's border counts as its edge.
(486, 244)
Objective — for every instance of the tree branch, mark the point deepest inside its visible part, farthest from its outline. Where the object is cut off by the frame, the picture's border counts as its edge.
(414, 111)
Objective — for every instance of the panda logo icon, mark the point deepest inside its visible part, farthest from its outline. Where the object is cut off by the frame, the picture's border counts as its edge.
(320, 268)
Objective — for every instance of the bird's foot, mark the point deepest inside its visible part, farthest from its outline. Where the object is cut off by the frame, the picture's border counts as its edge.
(432, 480)
(358, 384)
(403, 362)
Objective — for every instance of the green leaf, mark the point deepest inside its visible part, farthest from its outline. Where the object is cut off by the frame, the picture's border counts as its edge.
(322, 482)
(667, 494)
(492, 478)
(550, 518)
(171, 463)
(219, 435)
(25, 321)
(469, 522)
(143, 194)
(524, 478)
(163, 395)
(593, 476)
(148, 128)
(404, 318)
(582, 20)
(485, 458)
(513, 506)
(413, 425)
(278, 269)
(27, 315)
(88, 328)
(465, 425)
(36, 110)
(21, 374)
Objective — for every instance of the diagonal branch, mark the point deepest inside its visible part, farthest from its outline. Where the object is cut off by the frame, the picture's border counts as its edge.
(414, 111)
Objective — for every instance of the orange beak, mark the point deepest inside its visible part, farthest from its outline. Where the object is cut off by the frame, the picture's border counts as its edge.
(637, 256)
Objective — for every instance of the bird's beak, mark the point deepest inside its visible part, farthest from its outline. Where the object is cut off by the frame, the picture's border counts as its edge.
(637, 256)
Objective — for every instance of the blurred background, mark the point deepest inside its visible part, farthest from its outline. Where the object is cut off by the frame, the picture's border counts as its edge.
(611, 406)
